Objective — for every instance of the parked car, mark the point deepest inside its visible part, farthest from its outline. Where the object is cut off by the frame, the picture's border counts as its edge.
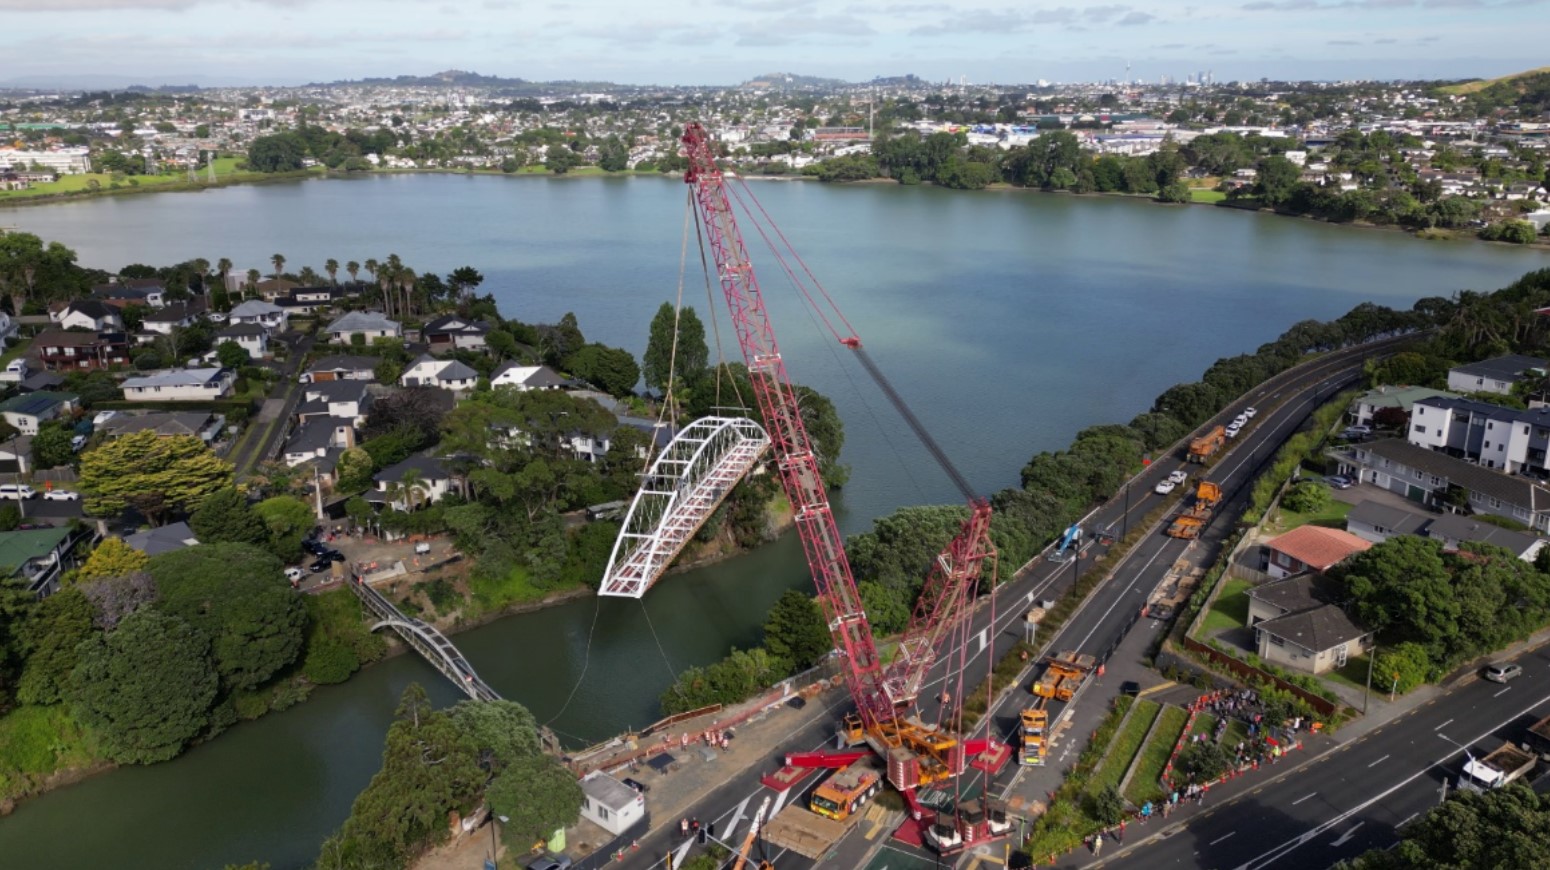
(1339, 481)
(60, 495)
(1164, 487)
(1250, 412)
(1179, 476)
(636, 784)
(320, 566)
(77, 442)
(1233, 430)
(315, 547)
(294, 574)
(1240, 421)
(102, 417)
(330, 556)
(1501, 672)
(1356, 433)
(422, 548)
(547, 861)
(16, 491)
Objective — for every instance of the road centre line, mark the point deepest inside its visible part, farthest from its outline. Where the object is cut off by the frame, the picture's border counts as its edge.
(1303, 798)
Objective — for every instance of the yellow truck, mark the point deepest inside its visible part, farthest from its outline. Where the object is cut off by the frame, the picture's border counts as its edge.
(1035, 736)
(1203, 448)
(1191, 522)
(1063, 675)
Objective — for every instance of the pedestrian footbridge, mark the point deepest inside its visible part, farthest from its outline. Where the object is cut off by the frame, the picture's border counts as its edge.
(683, 487)
(427, 641)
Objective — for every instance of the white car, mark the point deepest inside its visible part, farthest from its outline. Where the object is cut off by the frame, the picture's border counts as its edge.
(1240, 421)
(16, 491)
(60, 495)
(294, 574)
(1250, 412)
(1178, 476)
(1164, 487)
(102, 417)
(1233, 430)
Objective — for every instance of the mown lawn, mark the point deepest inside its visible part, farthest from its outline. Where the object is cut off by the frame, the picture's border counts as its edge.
(1144, 785)
(1124, 747)
(1333, 516)
(1205, 723)
(1230, 609)
(1203, 194)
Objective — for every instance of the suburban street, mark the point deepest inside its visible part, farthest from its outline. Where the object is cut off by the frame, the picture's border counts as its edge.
(1097, 628)
(1354, 798)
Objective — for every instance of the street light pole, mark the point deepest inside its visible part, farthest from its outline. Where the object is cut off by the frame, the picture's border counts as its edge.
(1124, 518)
(1372, 656)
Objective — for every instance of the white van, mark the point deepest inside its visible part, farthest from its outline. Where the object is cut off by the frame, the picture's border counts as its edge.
(16, 491)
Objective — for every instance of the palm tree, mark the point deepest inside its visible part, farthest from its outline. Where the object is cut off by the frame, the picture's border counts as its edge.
(308, 278)
(253, 277)
(354, 269)
(406, 280)
(371, 269)
(223, 265)
(332, 268)
(279, 265)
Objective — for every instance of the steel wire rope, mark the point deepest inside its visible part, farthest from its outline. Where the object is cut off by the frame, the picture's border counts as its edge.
(715, 322)
(661, 649)
(586, 662)
(813, 317)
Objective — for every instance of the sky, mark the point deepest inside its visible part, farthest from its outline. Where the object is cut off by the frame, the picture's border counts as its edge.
(723, 42)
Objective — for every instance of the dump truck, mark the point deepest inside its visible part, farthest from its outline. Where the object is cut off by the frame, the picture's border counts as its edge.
(1063, 675)
(1035, 736)
(807, 834)
(1192, 521)
(1508, 763)
(1203, 448)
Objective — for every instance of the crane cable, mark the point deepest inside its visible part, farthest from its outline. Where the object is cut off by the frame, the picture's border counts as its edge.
(715, 322)
(586, 662)
(672, 356)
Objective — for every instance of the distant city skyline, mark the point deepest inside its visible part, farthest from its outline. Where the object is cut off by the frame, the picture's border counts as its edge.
(686, 42)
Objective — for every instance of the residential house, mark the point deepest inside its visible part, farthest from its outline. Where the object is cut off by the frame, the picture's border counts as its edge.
(201, 424)
(89, 314)
(1311, 548)
(341, 368)
(266, 314)
(341, 400)
(369, 325)
(15, 371)
(150, 292)
(40, 381)
(524, 378)
(181, 385)
(1298, 624)
(59, 350)
(448, 374)
(1425, 476)
(274, 288)
(415, 482)
(249, 336)
(1455, 529)
(178, 315)
(1491, 435)
(317, 439)
(28, 411)
(8, 328)
(163, 539)
(1495, 375)
(1366, 407)
(610, 804)
(312, 300)
(1377, 522)
(40, 556)
(451, 332)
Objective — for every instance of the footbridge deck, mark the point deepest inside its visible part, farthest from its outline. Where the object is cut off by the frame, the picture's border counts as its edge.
(683, 487)
(427, 641)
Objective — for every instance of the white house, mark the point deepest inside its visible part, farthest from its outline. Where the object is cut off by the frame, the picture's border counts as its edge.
(314, 439)
(28, 411)
(341, 368)
(163, 321)
(180, 385)
(340, 400)
(448, 374)
(251, 337)
(90, 314)
(1494, 375)
(415, 482)
(367, 324)
(451, 332)
(268, 315)
(526, 377)
(610, 804)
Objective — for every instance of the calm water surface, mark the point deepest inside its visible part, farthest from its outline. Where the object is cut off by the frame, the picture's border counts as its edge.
(1008, 320)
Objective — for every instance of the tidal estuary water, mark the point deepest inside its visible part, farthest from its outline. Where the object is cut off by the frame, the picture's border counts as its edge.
(1008, 320)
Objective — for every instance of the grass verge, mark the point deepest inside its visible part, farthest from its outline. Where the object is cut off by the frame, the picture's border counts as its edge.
(1230, 609)
(1123, 750)
(1145, 785)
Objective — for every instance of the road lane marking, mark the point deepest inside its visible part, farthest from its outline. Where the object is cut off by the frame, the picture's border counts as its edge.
(1502, 692)
(1406, 821)
(1378, 762)
(1346, 837)
(1443, 725)
(1269, 857)
(1220, 839)
(1301, 799)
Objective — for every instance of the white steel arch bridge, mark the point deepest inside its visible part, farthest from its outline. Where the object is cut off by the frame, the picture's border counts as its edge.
(683, 487)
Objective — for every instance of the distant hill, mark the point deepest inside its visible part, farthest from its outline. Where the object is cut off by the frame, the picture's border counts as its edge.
(1528, 92)
(791, 80)
(1464, 88)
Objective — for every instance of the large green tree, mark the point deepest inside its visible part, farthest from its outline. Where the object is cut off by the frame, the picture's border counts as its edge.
(1501, 828)
(281, 152)
(685, 360)
(289, 520)
(236, 597)
(156, 475)
(537, 796)
(795, 631)
(225, 516)
(504, 729)
(146, 688)
(611, 369)
(50, 636)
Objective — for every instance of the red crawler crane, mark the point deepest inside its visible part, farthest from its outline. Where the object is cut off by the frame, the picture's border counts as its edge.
(917, 754)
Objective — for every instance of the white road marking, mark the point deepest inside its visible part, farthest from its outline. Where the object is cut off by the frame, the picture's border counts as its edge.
(1443, 725)
(1346, 837)
(737, 817)
(1502, 692)
(1220, 839)
(1406, 820)
(1378, 762)
(1303, 798)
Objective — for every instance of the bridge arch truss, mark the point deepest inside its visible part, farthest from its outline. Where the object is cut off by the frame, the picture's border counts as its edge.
(683, 487)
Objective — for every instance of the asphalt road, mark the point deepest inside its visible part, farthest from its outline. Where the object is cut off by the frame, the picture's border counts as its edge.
(1098, 626)
(1356, 797)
